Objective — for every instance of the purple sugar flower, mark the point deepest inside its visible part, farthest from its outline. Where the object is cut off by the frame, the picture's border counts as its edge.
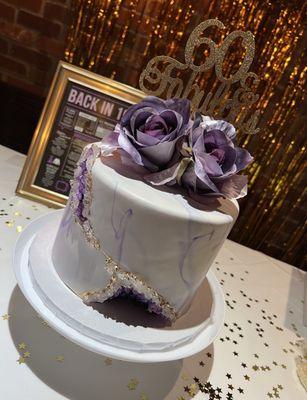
(215, 159)
(210, 161)
(151, 130)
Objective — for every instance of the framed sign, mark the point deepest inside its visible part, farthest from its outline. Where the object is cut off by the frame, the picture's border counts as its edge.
(81, 108)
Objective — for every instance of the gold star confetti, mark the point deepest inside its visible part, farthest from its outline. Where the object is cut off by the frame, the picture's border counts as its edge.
(185, 377)
(193, 389)
(17, 214)
(26, 354)
(59, 358)
(280, 387)
(22, 345)
(19, 228)
(255, 367)
(143, 397)
(270, 395)
(9, 224)
(5, 316)
(246, 377)
(108, 361)
(21, 360)
(132, 385)
(45, 323)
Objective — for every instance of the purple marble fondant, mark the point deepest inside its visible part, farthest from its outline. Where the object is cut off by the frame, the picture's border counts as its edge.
(120, 229)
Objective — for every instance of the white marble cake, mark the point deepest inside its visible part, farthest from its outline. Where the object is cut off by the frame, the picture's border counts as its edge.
(119, 235)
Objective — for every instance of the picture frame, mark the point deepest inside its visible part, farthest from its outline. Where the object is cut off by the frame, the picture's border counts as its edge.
(81, 108)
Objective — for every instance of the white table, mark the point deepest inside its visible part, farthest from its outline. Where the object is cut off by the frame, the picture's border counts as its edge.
(253, 358)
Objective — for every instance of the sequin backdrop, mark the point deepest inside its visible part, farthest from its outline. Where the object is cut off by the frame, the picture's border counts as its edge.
(117, 38)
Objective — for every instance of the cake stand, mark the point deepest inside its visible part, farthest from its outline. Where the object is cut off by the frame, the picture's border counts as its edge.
(115, 329)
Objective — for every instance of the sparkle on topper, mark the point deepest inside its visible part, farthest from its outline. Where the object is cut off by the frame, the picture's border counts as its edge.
(161, 78)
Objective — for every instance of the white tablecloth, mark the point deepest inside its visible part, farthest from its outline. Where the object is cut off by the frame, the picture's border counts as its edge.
(253, 357)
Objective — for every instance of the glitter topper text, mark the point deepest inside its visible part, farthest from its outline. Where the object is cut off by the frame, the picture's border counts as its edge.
(235, 109)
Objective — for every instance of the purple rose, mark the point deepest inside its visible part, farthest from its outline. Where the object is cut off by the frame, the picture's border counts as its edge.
(215, 159)
(210, 161)
(150, 130)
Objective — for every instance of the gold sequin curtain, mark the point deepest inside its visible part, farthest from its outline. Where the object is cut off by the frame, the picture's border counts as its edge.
(117, 38)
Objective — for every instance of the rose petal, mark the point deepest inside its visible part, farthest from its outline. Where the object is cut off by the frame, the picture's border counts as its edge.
(210, 124)
(234, 187)
(156, 123)
(161, 153)
(196, 137)
(163, 177)
(143, 139)
(230, 156)
(243, 158)
(126, 145)
(201, 167)
(109, 144)
(181, 106)
(216, 138)
(174, 121)
(208, 164)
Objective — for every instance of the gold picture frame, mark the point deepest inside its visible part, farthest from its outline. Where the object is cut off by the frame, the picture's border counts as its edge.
(33, 184)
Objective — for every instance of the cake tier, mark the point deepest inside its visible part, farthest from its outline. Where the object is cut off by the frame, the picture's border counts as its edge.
(156, 243)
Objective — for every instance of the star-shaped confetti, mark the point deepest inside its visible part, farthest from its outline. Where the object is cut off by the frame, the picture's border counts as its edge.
(244, 365)
(255, 367)
(230, 387)
(5, 317)
(22, 345)
(132, 385)
(185, 377)
(246, 377)
(143, 397)
(201, 363)
(19, 228)
(240, 390)
(26, 354)
(192, 389)
(59, 358)
(108, 361)
(270, 395)
(209, 355)
(228, 376)
(21, 360)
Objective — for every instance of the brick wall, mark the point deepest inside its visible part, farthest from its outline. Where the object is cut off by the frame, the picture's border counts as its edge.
(32, 41)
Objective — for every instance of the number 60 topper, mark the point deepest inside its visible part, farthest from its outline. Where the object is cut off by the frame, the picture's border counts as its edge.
(155, 81)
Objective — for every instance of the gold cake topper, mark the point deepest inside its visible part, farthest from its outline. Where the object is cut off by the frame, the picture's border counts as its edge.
(233, 106)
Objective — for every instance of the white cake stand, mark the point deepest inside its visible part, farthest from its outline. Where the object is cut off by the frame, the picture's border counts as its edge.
(97, 331)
